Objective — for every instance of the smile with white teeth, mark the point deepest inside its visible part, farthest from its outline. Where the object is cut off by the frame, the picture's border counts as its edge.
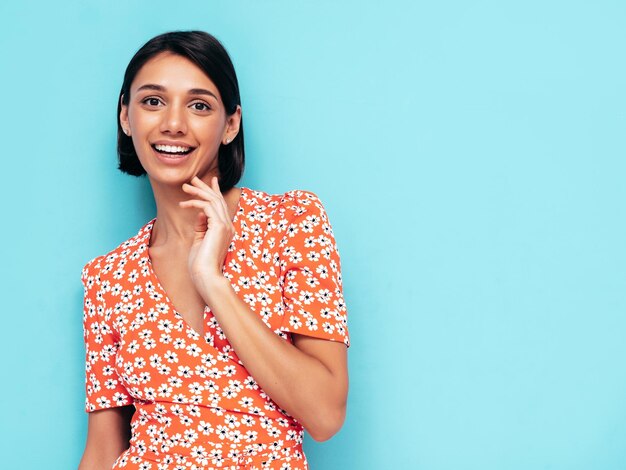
(174, 149)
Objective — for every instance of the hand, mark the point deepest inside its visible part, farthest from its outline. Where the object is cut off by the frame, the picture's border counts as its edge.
(213, 229)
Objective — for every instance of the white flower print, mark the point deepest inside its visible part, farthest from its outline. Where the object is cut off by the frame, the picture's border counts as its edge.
(196, 404)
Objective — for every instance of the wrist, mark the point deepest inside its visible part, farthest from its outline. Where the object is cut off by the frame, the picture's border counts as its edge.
(211, 286)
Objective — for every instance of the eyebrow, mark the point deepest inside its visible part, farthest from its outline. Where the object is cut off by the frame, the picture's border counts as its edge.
(193, 91)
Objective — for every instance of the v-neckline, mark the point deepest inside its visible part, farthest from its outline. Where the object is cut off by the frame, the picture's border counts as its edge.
(152, 273)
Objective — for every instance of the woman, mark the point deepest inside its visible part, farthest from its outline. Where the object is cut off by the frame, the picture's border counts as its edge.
(217, 333)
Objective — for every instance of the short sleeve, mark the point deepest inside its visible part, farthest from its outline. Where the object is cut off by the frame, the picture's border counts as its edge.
(104, 389)
(310, 271)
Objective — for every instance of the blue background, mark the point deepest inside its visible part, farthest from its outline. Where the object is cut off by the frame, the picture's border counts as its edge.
(470, 156)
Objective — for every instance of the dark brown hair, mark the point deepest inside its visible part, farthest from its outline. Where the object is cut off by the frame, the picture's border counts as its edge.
(207, 53)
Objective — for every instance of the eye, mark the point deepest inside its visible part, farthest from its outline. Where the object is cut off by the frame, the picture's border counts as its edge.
(151, 101)
(202, 106)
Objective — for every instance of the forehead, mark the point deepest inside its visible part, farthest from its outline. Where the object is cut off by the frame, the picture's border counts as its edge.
(173, 72)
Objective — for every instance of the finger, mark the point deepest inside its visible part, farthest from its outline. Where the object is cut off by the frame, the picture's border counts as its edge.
(213, 189)
(208, 208)
(202, 222)
(200, 183)
(194, 190)
(216, 185)
(209, 197)
(204, 191)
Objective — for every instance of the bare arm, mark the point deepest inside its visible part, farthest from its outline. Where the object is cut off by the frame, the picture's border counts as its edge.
(308, 379)
(108, 435)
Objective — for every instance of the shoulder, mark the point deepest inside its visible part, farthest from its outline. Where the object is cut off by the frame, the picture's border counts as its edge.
(102, 265)
(91, 268)
(299, 217)
(291, 204)
(302, 200)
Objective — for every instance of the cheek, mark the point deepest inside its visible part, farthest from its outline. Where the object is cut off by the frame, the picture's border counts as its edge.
(210, 129)
(143, 121)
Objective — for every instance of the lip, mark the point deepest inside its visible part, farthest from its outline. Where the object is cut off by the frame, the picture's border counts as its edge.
(178, 160)
(172, 142)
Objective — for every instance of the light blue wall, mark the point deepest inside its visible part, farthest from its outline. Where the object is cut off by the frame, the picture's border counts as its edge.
(471, 156)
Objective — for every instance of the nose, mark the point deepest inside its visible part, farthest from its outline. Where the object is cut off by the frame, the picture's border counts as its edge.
(173, 121)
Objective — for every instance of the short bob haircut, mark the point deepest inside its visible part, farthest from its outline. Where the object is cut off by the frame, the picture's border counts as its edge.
(206, 52)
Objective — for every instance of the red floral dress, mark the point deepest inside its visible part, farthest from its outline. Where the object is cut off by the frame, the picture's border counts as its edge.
(197, 407)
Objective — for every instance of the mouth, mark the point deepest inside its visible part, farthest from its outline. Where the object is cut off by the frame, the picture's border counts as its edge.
(172, 151)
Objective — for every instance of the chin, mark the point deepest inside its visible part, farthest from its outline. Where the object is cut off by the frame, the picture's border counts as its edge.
(171, 176)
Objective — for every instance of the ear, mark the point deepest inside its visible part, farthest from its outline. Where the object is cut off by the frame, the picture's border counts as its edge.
(124, 114)
(232, 126)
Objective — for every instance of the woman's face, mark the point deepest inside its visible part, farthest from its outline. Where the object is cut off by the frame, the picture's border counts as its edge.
(177, 120)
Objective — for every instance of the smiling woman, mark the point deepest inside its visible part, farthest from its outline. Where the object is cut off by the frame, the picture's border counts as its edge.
(218, 333)
(182, 125)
